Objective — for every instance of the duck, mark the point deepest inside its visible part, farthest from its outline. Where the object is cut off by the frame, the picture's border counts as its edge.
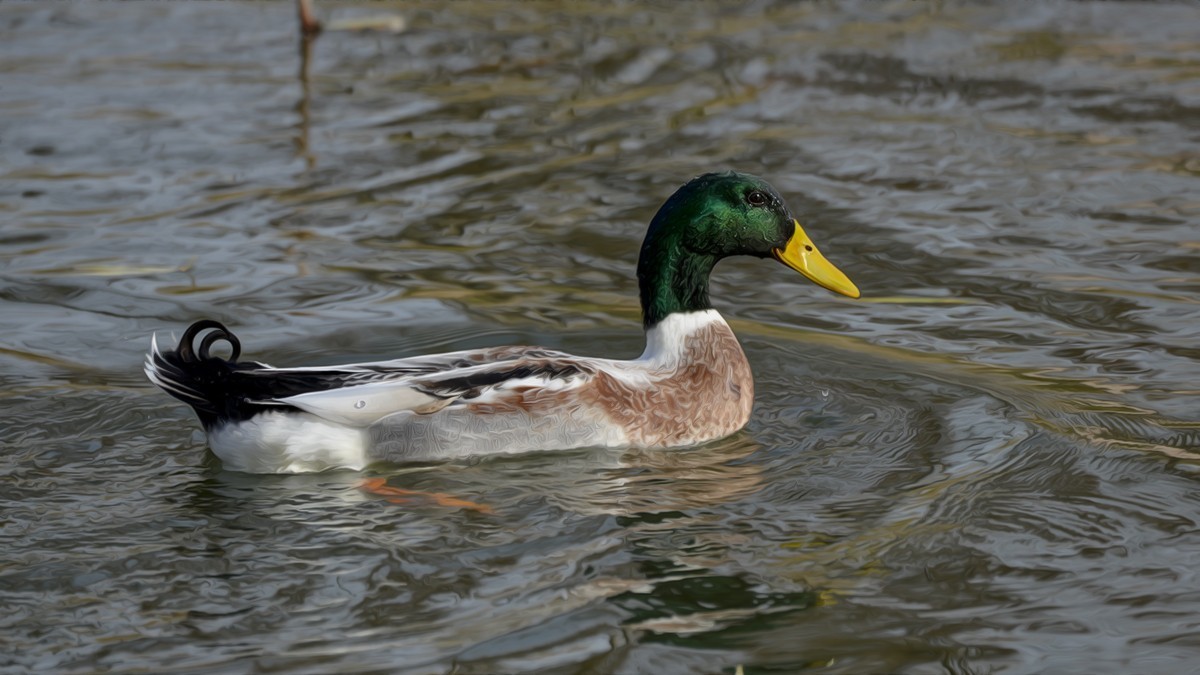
(691, 384)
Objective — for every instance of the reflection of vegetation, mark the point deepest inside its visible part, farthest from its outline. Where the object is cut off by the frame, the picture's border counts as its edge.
(1045, 44)
(715, 606)
(303, 105)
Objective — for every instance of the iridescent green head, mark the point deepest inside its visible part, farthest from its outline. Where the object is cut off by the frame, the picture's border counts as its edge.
(712, 217)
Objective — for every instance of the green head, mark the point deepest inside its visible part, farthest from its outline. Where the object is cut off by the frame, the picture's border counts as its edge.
(712, 217)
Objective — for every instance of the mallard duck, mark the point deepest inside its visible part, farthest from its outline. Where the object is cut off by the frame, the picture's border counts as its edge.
(691, 384)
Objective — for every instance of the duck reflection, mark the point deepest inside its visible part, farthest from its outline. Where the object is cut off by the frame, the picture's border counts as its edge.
(644, 484)
(582, 539)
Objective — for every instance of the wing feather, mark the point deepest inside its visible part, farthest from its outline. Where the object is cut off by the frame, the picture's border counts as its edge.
(362, 404)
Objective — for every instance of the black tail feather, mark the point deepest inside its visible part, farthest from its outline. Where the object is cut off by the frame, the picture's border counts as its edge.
(205, 382)
(219, 332)
(228, 390)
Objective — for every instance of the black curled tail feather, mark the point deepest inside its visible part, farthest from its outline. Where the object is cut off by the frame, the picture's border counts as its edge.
(196, 377)
(219, 332)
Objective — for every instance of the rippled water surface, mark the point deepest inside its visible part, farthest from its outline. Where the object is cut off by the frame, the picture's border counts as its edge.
(987, 464)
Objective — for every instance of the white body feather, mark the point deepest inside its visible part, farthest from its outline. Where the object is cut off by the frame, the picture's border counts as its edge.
(286, 442)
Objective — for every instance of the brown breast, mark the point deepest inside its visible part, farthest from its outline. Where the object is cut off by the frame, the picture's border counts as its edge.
(708, 396)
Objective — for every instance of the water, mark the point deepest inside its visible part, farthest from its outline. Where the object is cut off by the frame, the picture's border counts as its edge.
(987, 464)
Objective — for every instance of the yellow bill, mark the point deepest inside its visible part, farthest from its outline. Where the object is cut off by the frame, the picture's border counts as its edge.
(801, 255)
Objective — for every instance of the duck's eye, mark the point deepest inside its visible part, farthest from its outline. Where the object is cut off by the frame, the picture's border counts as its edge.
(756, 198)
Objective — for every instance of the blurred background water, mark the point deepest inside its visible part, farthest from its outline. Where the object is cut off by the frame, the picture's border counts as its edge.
(987, 464)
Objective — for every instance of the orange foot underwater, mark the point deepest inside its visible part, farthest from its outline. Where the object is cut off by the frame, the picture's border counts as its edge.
(379, 486)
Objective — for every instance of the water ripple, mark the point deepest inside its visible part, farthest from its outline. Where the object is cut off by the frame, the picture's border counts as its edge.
(987, 463)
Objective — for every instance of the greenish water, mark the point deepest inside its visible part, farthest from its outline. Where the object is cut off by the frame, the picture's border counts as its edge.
(987, 464)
